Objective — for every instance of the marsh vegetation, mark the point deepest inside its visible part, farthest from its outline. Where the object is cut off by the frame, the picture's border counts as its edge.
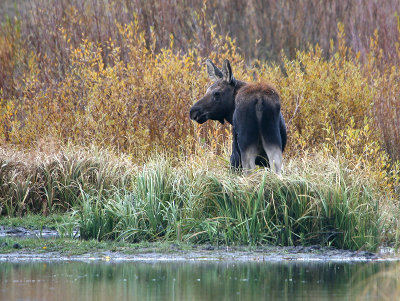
(94, 124)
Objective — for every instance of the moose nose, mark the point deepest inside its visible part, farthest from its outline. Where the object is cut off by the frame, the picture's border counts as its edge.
(193, 113)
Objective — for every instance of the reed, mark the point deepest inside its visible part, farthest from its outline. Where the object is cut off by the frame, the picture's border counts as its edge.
(318, 200)
(101, 73)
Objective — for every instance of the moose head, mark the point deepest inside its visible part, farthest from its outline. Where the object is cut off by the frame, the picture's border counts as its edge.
(259, 130)
(219, 101)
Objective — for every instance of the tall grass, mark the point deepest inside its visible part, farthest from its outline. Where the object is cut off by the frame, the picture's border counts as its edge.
(42, 183)
(319, 200)
(187, 203)
(100, 74)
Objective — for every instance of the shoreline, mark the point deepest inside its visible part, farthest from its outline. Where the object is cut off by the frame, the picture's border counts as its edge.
(206, 253)
(21, 244)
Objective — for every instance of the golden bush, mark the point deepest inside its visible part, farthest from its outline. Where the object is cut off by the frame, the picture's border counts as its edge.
(142, 105)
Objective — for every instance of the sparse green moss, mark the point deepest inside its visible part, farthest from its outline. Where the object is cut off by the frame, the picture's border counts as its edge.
(69, 246)
(34, 221)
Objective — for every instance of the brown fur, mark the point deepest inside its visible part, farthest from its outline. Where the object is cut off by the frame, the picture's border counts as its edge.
(255, 88)
(258, 128)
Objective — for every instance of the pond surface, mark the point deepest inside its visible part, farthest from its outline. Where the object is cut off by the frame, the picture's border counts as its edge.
(188, 281)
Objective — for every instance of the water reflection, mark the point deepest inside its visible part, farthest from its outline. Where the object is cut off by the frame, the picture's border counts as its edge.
(186, 281)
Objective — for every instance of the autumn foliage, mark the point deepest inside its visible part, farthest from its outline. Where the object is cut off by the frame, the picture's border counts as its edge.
(132, 90)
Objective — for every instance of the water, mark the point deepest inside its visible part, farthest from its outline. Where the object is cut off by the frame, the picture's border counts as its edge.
(189, 281)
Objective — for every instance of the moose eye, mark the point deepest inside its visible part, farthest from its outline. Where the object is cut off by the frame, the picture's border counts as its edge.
(217, 95)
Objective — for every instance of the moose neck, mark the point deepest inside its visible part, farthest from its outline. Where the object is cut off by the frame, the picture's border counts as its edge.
(238, 85)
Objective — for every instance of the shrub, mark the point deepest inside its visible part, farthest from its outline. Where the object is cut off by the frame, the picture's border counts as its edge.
(130, 90)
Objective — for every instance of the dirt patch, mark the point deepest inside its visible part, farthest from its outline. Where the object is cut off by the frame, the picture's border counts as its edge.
(175, 252)
(23, 232)
(203, 253)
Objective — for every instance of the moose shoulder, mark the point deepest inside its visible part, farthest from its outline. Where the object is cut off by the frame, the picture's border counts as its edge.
(253, 109)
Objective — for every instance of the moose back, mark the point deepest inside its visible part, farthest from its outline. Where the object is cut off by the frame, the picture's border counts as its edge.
(253, 109)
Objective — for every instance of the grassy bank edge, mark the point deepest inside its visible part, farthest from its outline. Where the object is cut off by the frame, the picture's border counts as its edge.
(319, 200)
(68, 246)
(71, 247)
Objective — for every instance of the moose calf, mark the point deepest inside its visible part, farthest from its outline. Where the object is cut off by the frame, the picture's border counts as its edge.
(253, 109)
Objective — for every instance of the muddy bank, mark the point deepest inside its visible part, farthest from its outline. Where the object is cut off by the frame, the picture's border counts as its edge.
(174, 252)
(23, 232)
(209, 253)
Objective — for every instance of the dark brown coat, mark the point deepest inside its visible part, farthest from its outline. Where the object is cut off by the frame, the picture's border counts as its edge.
(259, 131)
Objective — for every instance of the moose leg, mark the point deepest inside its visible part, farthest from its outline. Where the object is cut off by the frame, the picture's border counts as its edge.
(274, 154)
(247, 136)
(271, 139)
(282, 130)
(249, 158)
(235, 157)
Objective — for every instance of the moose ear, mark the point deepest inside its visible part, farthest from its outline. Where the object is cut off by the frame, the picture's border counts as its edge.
(213, 72)
(227, 72)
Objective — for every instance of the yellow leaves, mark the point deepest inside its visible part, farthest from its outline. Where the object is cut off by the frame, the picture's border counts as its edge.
(319, 94)
(142, 104)
(342, 48)
(171, 41)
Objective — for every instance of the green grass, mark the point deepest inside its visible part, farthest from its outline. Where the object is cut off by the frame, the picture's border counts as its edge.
(319, 200)
(197, 206)
(35, 221)
(69, 246)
